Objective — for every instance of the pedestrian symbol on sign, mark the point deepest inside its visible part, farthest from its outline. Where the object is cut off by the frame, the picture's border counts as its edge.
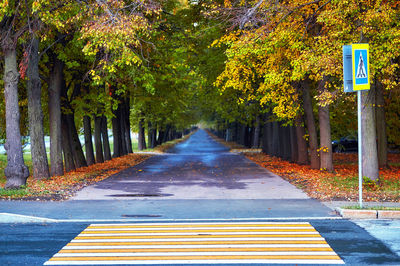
(361, 73)
(360, 68)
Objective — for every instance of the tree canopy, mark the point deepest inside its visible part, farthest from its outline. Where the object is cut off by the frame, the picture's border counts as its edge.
(166, 65)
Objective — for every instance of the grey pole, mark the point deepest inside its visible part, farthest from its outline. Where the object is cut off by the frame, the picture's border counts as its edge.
(360, 179)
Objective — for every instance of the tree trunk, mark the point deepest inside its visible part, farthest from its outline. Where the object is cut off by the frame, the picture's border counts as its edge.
(166, 134)
(77, 151)
(161, 134)
(381, 126)
(369, 152)
(87, 128)
(228, 137)
(151, 135)
(55, 86)
(124, 145)
(281, 141)
(301, 142)
(40, 165)
(312, 131)
(67, 145)
(256, 136)
(106, 141)
(117, 151)
(285, 140)
(16, 171)
(325, 139)
(293, 145)
(242, 135)
(267, 136)
(127, 122)
(97, 139)
(275, 145)
(141, 136)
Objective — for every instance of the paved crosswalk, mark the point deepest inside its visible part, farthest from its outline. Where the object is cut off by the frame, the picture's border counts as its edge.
(197, 243)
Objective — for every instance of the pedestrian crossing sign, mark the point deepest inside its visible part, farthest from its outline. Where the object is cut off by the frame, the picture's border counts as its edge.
(360, 66)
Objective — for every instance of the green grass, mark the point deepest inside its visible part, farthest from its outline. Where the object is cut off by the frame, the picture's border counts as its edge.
(14, 192)
(339, 181)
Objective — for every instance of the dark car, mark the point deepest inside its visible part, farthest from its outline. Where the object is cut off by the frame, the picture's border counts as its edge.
(345, 144)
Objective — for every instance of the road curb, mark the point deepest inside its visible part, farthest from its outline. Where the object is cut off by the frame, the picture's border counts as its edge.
(367, 214)
(19, 218)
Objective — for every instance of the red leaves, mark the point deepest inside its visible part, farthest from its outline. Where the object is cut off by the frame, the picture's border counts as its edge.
(23, 65)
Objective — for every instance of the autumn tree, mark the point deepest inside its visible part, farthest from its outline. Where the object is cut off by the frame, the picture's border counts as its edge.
(16, 171)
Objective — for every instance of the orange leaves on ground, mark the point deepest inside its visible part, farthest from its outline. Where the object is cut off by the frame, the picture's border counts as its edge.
(341, 185)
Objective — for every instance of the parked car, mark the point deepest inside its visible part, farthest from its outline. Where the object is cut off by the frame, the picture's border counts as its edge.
(345, 144)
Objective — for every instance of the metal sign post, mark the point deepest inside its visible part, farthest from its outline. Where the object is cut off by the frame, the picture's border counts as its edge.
(356, 78)
(360, 180)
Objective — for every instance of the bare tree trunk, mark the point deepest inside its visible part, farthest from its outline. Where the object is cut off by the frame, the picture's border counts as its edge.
(381, 126)
(40, 165)
(106, 141)
(370, 153)
(141, 136)
(97, 139)
(325, 139)
(55, 85)
(312, 131)
(87, 128)
(16, 171)
(301, 142)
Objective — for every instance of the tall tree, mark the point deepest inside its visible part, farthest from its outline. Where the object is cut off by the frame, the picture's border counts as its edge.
(56, 82)
(16, 171)
(38, 149)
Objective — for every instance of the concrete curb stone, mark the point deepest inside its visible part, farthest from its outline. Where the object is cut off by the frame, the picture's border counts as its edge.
(367, 214)
(388, 214)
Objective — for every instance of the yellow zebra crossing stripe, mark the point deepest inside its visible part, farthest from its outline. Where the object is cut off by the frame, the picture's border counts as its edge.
(197, 243)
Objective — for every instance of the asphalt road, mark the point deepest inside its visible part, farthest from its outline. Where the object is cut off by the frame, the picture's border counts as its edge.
(34, 244)
(199, 181)
(199, 168)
